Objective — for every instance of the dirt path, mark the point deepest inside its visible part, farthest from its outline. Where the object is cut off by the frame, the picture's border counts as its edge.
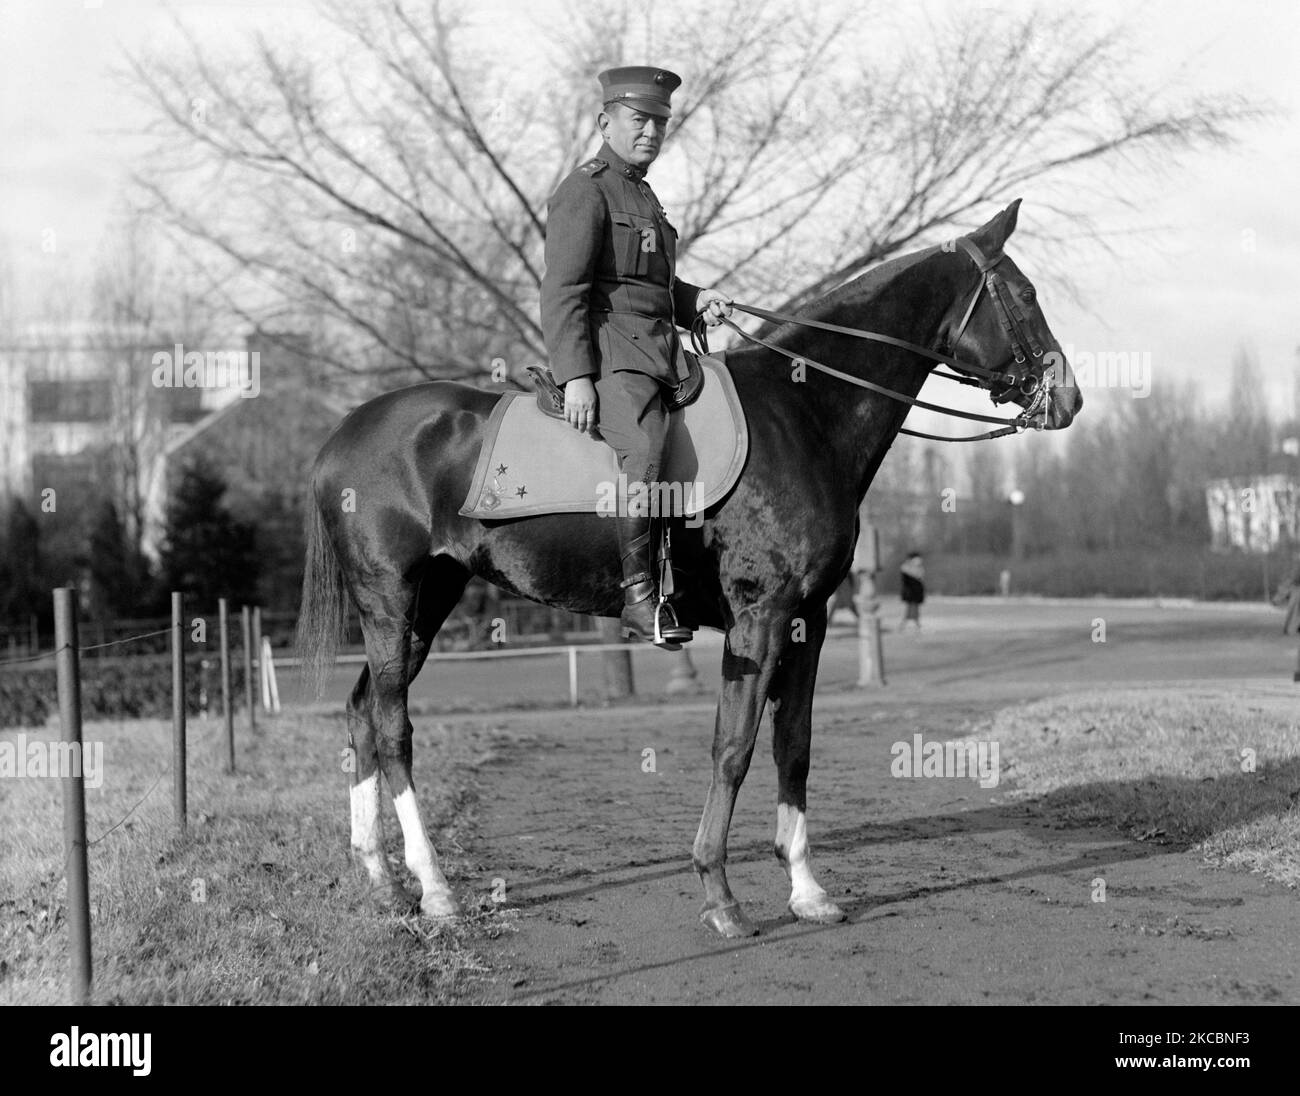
(951, 897)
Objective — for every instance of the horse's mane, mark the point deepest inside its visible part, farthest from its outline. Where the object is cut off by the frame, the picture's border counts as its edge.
(860, 291)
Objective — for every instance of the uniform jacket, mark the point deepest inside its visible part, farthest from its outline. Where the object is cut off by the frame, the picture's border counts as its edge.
(611, 299)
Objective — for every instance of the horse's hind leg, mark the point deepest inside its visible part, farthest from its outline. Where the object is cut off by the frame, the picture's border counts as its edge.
(367, 823)
(400, 623)
(792, 697)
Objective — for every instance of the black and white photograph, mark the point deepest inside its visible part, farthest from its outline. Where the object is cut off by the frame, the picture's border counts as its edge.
(594, 503)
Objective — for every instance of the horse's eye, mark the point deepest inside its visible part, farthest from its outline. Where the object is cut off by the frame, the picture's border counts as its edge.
(1028, 293)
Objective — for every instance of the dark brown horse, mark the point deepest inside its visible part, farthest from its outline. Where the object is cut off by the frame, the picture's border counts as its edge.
(385, 533)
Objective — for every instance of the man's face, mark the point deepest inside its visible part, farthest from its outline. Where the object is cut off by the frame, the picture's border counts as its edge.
(634, 135)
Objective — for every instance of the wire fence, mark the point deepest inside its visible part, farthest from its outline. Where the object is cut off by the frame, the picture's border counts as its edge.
(256, 650)
(480, 616)
(68, 762)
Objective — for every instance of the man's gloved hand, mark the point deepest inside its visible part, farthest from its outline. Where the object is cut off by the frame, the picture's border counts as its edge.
(714, 305)
(580, 404)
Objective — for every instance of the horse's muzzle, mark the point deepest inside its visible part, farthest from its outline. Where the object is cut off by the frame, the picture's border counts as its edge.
(1064, 398)
(1062, 406)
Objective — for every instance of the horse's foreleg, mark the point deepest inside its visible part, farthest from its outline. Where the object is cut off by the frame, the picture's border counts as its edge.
(753, 645)
(792, 697)
(367, 823)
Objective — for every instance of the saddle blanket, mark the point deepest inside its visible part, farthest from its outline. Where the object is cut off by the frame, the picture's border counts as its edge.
(532, 464)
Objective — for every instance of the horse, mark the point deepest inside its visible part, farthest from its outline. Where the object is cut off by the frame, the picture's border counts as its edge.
(384, 533)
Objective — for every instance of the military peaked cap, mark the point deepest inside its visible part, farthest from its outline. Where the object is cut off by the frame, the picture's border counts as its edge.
(642, 87)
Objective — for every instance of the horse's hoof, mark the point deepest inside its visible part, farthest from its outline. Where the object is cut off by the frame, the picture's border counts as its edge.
(728, 921)
(439, 906)
(392, 897)
(819, 909)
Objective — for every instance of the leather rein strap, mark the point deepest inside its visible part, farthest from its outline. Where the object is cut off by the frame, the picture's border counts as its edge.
(1013, 323)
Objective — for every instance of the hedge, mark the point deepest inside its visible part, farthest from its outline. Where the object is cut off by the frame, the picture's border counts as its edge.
(1172, 571)
(117, 688)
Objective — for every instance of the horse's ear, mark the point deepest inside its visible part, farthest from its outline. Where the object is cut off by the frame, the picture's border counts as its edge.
(993, 235)
(1009, 216)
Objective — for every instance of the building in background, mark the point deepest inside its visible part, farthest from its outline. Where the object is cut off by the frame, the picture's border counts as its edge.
(81, 415)
(1253, 513)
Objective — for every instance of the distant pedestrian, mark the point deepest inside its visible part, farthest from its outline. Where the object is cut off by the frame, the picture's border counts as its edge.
(913, 576)
(1288, 595)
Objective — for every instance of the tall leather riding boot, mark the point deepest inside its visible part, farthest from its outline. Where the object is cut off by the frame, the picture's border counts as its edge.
(676, 598)
(641, 602)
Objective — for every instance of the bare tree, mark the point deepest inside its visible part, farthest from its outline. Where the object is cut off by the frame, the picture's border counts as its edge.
(395, 193)
(13, 456)
(141, 305)
(1245, 443)
(126, 298)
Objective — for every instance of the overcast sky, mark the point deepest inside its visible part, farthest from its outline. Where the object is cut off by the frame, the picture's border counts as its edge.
(1224, 272)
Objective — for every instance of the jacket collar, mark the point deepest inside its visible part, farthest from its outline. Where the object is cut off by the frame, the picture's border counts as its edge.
(615, 161)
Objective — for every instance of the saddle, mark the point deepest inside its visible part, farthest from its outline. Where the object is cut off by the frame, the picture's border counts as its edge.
(550, 398)
(531, 463)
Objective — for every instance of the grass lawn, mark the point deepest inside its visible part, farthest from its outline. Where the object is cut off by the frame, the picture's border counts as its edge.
(1217, 768)
(259, 904)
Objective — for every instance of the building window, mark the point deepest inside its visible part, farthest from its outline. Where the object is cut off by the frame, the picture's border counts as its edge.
(70, 401)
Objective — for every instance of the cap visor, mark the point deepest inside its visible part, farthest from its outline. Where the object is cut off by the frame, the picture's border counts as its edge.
(647, 106)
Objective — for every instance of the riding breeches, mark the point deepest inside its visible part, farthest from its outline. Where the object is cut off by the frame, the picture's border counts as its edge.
(633, 420)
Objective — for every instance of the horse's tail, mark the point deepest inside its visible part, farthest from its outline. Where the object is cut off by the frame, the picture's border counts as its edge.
(324, 610)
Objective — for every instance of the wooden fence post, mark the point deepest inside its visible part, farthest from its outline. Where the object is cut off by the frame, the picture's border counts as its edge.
(178, 710)
(227, 709)
(74, 794)
(246, 630)
(257, 654)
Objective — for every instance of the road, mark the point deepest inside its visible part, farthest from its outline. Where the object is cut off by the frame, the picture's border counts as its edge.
(963, 641)
(954, 895)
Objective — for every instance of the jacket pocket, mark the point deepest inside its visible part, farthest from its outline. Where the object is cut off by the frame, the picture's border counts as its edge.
(628, 341)
(635, 240)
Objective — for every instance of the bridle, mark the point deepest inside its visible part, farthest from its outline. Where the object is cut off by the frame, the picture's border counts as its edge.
(1009, 315)
(1017, 375)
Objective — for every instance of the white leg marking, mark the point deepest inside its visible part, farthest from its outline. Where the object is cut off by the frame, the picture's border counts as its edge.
(368, 829)
(807, 899)
(422, 859)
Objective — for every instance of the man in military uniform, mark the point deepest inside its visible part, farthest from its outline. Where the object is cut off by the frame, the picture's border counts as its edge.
(611, 303)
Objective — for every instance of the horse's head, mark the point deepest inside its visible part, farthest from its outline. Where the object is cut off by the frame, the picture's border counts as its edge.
(997, 333)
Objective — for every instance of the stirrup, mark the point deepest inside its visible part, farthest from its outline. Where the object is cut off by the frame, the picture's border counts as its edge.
(677, 633)
(668, 592)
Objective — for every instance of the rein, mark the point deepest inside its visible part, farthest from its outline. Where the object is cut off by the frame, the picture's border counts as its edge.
(1009, 315)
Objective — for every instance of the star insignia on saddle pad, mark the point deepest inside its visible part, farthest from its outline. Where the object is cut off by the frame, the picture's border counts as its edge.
(501, 469)
(521, 492)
